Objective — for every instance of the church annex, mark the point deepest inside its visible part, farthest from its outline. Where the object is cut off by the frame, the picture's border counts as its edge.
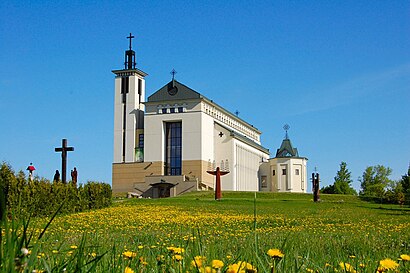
(163, 146)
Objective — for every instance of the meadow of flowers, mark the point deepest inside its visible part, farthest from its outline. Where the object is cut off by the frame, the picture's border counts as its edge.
(240, 233)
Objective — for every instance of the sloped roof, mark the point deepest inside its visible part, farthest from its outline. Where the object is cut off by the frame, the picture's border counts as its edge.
(174, 90)
(287, 150)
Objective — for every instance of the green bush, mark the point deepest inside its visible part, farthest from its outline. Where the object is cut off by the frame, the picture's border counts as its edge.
(41, 197)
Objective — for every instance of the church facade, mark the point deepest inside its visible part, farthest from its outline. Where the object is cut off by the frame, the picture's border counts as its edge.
(164, 146)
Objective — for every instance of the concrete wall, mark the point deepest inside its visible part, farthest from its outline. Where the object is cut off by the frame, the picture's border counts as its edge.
(125, 175)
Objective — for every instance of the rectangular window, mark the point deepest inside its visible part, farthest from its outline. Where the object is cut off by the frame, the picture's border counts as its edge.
(172, 110)
(180, 109)
(164, 110)
(283, 171)
(173, 148)
(297, 172)
(139, 90)
(264, 181)
(273, 173)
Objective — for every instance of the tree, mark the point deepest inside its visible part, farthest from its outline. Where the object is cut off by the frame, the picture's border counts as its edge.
(342, 183)
(405, 184)
(343, 180)
(374, 181)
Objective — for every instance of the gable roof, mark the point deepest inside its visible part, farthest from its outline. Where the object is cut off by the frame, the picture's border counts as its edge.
(174, 90)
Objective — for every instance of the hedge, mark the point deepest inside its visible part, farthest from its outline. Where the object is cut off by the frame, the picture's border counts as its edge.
(40, 197)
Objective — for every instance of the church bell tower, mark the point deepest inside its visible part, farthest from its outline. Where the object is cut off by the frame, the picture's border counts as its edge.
(129, 110)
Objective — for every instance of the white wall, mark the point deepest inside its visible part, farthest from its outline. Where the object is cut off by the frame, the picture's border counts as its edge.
(291, 182)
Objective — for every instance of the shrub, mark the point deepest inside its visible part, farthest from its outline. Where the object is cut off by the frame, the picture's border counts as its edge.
(40, 197)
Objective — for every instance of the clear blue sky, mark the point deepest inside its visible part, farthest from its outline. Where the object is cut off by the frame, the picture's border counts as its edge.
(338, 72)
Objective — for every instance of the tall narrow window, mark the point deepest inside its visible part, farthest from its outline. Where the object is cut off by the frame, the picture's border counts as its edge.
(173, 148)
(139, 90)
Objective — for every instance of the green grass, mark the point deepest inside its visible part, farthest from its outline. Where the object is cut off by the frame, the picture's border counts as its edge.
(314, 237)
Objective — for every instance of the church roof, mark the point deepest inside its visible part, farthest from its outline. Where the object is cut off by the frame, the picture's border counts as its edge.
(174, 90)
(286, 149)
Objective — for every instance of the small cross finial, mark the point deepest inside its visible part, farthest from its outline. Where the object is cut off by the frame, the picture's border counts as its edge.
(130, 37)
(237, 113)
(286, 128)
(173, 72)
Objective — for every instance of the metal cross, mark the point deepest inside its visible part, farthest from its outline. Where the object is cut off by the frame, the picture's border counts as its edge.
(130, 37)
(173, 72)
(286, 128)
(64, 149)
(221, 134)
(237, 113)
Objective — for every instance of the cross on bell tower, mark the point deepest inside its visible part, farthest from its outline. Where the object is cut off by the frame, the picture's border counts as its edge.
(130, 55)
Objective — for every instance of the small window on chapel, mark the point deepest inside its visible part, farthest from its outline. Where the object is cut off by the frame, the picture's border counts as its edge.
(273, 172)
(164, 110)
(172, 110)
(297, 172)
(180, 109)
(283, 171)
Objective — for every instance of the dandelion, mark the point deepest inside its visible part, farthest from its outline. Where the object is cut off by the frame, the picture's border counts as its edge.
(128, 270)
(275, 253)
(217, 264)
(387, 264)
(177, 257)
(347, 267)
(73, 247)
(129, 254)
(405, 257)
(198, 261)
(24, 251)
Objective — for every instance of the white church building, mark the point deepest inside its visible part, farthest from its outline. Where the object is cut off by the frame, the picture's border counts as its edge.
(164, 146)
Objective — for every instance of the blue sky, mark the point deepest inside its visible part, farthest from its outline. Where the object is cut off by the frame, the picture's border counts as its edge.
(338, 72)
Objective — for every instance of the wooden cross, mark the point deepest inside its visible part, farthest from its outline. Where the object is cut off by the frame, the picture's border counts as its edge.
(64, 149)
(130, 37)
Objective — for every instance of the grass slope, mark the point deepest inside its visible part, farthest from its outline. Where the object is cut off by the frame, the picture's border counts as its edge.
(314, 237)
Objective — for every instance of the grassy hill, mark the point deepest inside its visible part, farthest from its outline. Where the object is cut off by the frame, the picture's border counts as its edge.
(340, 233)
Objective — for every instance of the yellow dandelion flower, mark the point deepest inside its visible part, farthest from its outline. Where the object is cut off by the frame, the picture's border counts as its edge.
(232, 268)
(177, 257)
(387, 264)
(198, 261)
(140, 247)
(128, 270)
(73, 247)
(275, 253)
(54, 251)
(129, 254)
(217, 264)
(347, 267)
(405, 257)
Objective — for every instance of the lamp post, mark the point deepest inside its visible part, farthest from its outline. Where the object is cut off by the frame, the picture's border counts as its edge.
(218, 172)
